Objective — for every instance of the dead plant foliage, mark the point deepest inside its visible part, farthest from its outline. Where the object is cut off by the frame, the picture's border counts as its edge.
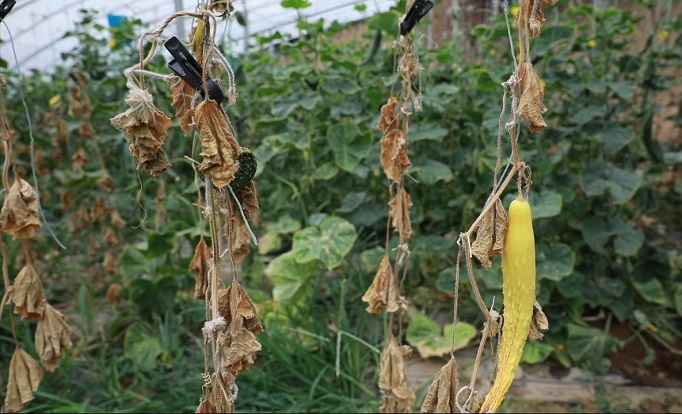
(383, 292)
(234, 303)
(394, 159)
(531, 17)
(145, 128)
(52, 336)
(531, 103)
(399, 211)
(27, 294)
(397, 395)
(182, 102)
(538, 323)
(219, 148)
(19, 214)
(23, 380)
(441, 396)
(490, 234)
(201, 263)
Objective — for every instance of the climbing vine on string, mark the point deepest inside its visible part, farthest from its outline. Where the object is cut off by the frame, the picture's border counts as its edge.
(229, 199)
(509, 235)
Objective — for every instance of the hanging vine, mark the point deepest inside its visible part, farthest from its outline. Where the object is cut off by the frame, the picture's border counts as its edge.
(229, 199)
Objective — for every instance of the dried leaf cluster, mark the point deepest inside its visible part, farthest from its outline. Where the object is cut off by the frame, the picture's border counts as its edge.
(396, 393)
(19, 214)
(182, 102)
(383, 293)
(530, 16)
(490, 235)
(441, 396)
(531, 102)
(394, 159)
(219, 148)
(145, 128)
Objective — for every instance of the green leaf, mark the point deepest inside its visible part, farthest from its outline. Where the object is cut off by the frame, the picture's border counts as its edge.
(351, 201)
(372, 258)
(615, 136)
(535, 352)
(546, 204)
(628, 239)
(588, 346)
(325, 172)
(284, 106)
(677, 299)
(387, 22)
(289, 277)
(596, 232)
(295, 4)
(587, 114)
(624, 90)
(142, 346)
(339, 85)
(328, 243)
(153, 297)
(599, 177)
(285, 224)
(429, 131)
(431, 340)
(348, 144)
(651, 290)
(446, 280)
(550, 36)
(555, 263)
(572, 286)
(431, 171)
(159, 244)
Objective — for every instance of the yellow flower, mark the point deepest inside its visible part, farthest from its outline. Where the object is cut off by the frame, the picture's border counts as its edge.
(111, 43)
(662, 35)
(514, 10)
(543, 84)
(591, 43)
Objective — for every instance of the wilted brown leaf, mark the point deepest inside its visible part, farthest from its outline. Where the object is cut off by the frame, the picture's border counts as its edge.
(235, 305)
(399, 211)
(200, 265)
(19, 215)
(145, 128)
(383, 293)
(538, 323)
(219, 148)
(442, 394)
(117, 220)
(110, 237)
(221, 6)
(531, 105)
(86, 129)
(490, 235)
(23, 380)
(394, 158)
(106, 182)
(39, 162)
(248, 198)
(27, 294)
(182, 102)
(98, 209)
(397, 395)
(389, 117)
(532, 22)
(79, 220)
(112, 295)
(109, 263)
(239, 239)
(206, 406)
(238, 347)
(52, 336)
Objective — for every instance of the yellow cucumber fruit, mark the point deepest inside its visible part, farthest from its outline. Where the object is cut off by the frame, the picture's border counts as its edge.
(518, 288)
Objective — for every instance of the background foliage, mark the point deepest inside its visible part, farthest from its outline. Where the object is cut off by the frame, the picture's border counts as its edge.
(604, 207)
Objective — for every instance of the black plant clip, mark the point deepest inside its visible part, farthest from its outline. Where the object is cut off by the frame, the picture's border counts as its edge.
(416, 13)
(188, 69)
(6, 7)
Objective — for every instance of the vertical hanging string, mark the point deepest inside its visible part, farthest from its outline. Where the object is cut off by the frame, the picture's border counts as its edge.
(30, 134)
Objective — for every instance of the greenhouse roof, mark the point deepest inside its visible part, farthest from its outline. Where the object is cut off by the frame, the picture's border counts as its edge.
(37, 27)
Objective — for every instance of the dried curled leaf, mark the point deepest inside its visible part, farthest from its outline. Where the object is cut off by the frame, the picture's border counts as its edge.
(52, 336)
(200, 265)
(394, 159)
(145, 128)
(206, 406)
(389, 117)
(182, 102)
(79, 159)
(19, 214)
(235, 305)
(531, 103)
(27, 294)
(238, 347)
(23, 380)
(219, 148)
(239, 238)
(397, 395)
(538, 323)
(383, 293)
(248, 198)
(399, 211)
(490, 235)
(109, 263)
(221, 6)
(116, 219)
(533, 22)
(442, 394)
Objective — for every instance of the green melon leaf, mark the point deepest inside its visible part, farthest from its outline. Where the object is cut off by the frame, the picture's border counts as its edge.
(329, 243)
